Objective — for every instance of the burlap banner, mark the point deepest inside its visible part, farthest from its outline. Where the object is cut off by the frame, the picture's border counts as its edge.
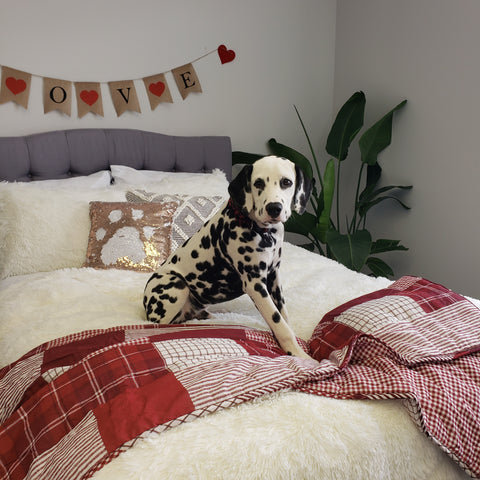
(57, 93)
(15, 86)
(89, 98)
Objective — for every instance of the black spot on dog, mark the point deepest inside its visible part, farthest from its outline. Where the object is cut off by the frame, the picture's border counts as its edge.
(205, 242)
(190, 277)
(194, 254)
(202, 266)
(261, 289)
(276, 317)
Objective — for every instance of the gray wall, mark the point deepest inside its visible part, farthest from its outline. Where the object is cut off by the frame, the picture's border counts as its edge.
(426, 51)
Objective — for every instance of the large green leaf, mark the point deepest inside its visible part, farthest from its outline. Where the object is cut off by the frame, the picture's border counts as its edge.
(328, 192)
(378, 267)
(301, 224)
(369, 195)
(347, 124)
(374, 172)
(296, 157)
(350, 250)
(377, 137)
(385, 245)
(244, 158)
(365, 206)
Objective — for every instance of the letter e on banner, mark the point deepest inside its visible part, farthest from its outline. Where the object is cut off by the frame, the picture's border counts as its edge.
(186, 80)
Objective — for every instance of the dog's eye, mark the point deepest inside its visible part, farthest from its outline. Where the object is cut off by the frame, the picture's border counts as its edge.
(259, 183)
(286, 183)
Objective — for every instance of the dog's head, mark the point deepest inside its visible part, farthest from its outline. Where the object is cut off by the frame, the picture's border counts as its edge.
(268, 190)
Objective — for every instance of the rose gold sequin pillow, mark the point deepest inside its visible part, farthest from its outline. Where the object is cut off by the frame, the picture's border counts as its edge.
(129, 236)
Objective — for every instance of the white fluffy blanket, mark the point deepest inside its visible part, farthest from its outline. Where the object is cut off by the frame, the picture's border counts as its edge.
(285, 435)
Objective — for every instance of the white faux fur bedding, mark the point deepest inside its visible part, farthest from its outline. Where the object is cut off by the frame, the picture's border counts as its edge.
(280, 436)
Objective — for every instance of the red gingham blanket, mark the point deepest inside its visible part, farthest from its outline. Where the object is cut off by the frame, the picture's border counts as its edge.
(71, 405)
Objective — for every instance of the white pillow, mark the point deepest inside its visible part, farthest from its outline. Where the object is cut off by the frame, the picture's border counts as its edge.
(100, 179)
(123, 175)
(45, 229)
(181, 183)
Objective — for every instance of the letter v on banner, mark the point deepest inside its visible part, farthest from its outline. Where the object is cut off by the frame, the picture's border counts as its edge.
(124, 96)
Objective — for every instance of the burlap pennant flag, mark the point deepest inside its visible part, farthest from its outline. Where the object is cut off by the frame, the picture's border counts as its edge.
(186, 80)
(124, 96)
(89, 98)
(57, 95)
(157, 90)
(15, 86)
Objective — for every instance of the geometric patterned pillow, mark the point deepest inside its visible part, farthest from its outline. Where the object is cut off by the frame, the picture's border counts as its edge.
(129, 236)
(192, 212)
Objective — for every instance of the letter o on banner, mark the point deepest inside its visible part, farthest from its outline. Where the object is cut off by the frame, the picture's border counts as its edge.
(57, 95)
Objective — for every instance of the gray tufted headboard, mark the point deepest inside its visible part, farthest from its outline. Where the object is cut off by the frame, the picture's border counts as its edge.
(65, 153)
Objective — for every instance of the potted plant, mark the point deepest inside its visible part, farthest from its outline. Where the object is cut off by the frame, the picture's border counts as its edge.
(351, 243)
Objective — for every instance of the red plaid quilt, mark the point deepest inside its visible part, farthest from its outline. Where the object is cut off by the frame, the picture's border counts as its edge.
(71, 405)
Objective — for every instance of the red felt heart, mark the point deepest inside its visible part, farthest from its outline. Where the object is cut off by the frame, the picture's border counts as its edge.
(89, 97)
(225, 54)
(15, 85)
(157, 88)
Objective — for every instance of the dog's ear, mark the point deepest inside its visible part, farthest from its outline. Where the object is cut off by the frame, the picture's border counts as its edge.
(303, 189)
(240, 189)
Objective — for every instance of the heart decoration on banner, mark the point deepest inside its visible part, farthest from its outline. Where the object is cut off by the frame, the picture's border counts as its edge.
(157, 88)
(89, 96)
(15, 85)
(226, 56)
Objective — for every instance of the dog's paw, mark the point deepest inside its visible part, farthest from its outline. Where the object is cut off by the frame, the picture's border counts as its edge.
(298, 352)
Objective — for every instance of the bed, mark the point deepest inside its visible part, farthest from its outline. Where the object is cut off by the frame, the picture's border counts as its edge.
(88, 388)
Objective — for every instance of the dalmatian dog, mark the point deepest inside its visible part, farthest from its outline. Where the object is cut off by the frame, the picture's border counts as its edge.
(236, 252)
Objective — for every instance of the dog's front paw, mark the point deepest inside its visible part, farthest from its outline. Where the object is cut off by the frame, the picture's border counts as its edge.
(300, 353)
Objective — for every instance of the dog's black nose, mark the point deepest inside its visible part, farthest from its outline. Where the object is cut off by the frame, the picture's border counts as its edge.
(274, 209)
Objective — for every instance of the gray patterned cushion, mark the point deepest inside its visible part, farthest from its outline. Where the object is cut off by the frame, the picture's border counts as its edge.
(192, 212)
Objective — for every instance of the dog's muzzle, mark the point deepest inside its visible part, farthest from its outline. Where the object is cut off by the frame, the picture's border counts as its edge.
(274, 209)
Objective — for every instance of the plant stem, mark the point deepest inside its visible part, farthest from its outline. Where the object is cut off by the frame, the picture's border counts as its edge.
(317, 244)
(338, 195)
(312, 151)
(354, 219)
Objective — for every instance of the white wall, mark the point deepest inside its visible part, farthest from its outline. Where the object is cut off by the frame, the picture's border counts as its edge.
(427, 52)
(284, 48)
